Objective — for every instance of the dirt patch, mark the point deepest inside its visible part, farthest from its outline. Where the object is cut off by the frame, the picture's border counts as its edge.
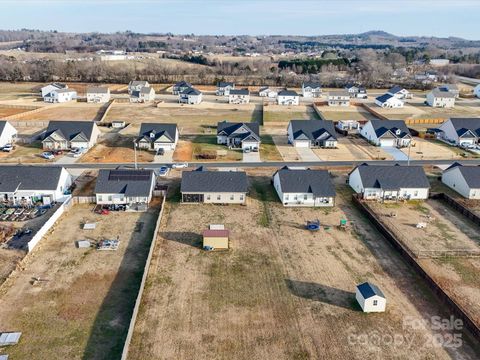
(85, 183)
(6, 111)
(183, 151)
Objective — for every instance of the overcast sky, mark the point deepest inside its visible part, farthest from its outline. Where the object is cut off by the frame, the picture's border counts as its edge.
(288, 17)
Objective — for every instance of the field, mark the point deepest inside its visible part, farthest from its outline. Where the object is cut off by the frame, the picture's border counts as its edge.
(207, 145)
(268, 149)
(278, 115)
(279, 292)
(68, 111)
(447, 230)
(8, 111)
(24, 153)
(82, 308)
(345, 113)
(431, 149)
(190, 119)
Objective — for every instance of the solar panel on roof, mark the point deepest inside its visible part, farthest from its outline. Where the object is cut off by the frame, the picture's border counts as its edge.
(129, 175)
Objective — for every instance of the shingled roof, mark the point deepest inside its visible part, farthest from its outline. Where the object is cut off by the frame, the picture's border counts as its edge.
(369, 290)
(20, 177)
(471, 174)
(316, 182)
(70, 129)
(158, 130)
(392, 177)
(202, 181)
(311, 129)
(462, 125)
(131, 183)
(382, 126)
(228, 128)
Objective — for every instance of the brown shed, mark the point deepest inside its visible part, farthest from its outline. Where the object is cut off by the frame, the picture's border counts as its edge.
(216, 239)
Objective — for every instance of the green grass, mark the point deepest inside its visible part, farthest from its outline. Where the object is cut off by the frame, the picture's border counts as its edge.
(462, 267)
(268, 149)
(207, 144)
(264, 192)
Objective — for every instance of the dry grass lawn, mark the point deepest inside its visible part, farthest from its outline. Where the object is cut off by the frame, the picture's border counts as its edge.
(24, 153)
(280, 292)
(67, 111)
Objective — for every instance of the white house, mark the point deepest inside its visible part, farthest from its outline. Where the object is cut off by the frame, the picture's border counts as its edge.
(288, 97)
(311, 89)
(387, 133)
(370, 298)
(60, 96)
(190, 96)
(304, 187)
(125, 187)
(224, 87)
(180, 87)
(348, 125)
(312, 133)
(443, 99)
(154, 136)
(451, 88)
(240, 96)
(399, 92)
(339, 98)
(459, 131)
(98, 94)
(47, 89)
(8, 134)
(389, 182)
(145, 94)
(64, 135)
(137, 85)
(28, 185)
(388, 101)
(476, 91)
(267, 92)
(239, 135)
(355, 91)
(463, 179)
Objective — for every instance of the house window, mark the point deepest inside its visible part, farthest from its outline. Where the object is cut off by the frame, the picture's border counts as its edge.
(219, 197)
(208, 197)
(415, 193)
(110, 197)
(305, 197)
(241, 197)
(286, 197)
(375, 302)
(231, 197)
(99, 197)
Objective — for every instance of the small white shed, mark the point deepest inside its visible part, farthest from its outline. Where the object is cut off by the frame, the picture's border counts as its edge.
(370, 298)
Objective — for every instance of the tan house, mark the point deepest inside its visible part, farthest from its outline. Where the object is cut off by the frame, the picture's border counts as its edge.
(64, 135)
(98, 94)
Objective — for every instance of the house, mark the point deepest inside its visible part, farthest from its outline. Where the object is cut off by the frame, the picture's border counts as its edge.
(8, 134)
(339, 98)
(355, 91)
(288, 97)
(387, 133)
(216, 238)
(347, 125)
(440, 98)
(190, 96)
(450, 88)
(239, 135)
(125, 187)
(267, 92)
(180, 87)
(311, 89)
(370, 298)
(463, 179)
(51, 87)
(426, 77)
(137, 85)
(223, 88)
(389, 182)
(304, 187)
(439, 62)
(98, 94)
(60, 96)
(145, 94)
(64, 135)
(240, 96)
(154, 136)
(118, 124)
(28, 185)
(388, 101)
(214, 187)
(312, 133)
(399, 92)
(476, 91)
(460, 131)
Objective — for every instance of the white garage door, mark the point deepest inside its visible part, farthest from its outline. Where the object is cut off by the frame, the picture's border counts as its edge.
(387, 142)
(302, 143)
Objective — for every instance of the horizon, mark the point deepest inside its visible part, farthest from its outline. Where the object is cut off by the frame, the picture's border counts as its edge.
(255, 18)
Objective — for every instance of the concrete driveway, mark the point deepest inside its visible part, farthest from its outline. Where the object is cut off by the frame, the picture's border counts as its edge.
(396, 153)
(167, 157)
(251, 157)
(306, 154)
(67, 159)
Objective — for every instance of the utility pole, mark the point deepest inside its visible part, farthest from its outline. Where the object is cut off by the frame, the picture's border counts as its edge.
(409, 147)
(135, 153)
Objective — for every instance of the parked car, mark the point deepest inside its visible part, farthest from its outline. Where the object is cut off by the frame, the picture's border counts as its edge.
(7, 148)
(77, 152)
(161, 151)
(48, 155)
(180, 165)
(163, 171)
(246, 150)
(57, 152)
(255, 149)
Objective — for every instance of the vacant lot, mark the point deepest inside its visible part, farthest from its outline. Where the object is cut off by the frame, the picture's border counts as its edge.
(190, 119)
(204, 146)
(280, 292)
(428, 149)
(82, 306)
(352, 147)
(346, 113)
(68, 111)
(10, 91)
(268, 149)
(446, 230)
(7, 111)
(278, 115)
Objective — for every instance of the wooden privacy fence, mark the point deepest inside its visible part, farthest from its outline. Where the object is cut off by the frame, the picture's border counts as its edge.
(84, 200)
(451, 304)
(462, 209)
(34, 111)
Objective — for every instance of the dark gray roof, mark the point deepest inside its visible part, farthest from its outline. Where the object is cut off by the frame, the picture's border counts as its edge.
(70, 129)
(169, 130)
(449, 87)
(97, 90)
(339, 93)
(239, 92)
(145, 90)
(382, 126)
(311, 84)
(471, 174)
(128, 182)
(462, 125)
(191, 91)
(230, 127)
(312, 129)
(2, 126)
(29, 177)
(287, 93)
(395, 89)
(223, 84)
(384, 97)
(65, 90)
(317, 182)
(438, 92)
(182, 83)
(393, 177)
(368, 290)
(202, 181)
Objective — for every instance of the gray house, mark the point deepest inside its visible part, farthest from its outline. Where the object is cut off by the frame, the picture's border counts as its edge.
(154, 136)
(312, 133)
(214, 187)
(181, 86)
(239, 135)
(224, 87)
(64, 135)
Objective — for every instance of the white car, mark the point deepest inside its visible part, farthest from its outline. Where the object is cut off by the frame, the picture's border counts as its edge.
(179, 166)
(7, 148)
(48, 155)
(77, 152)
